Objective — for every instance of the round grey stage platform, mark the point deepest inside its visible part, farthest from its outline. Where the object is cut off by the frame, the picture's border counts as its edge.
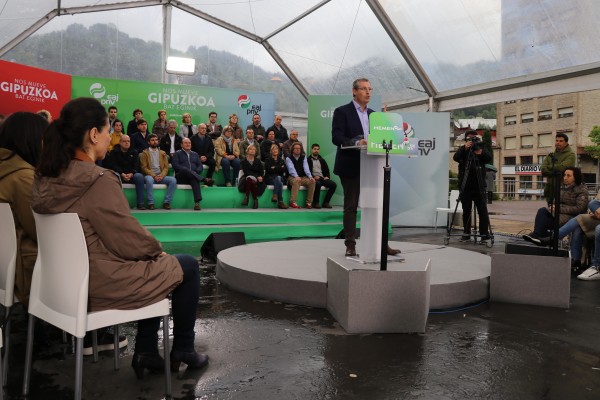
(296, 271)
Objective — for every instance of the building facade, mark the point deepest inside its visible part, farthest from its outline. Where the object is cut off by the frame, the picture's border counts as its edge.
(526, 131)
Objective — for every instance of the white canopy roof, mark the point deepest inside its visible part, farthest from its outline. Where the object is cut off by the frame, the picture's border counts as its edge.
(418, 54)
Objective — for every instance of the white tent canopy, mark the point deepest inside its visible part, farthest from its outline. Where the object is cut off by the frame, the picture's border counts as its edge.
(418, 54)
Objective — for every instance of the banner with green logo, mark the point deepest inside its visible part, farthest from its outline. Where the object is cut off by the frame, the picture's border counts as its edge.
(176, 100)
(389, 127)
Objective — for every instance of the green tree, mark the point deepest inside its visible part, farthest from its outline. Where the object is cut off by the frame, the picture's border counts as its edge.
(594, 150)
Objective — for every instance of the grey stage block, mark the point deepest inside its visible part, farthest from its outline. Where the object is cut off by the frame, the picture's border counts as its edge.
(536, 280)
(373, 301)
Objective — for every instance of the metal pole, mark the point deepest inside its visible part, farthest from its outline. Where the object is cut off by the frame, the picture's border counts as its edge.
(387, 172)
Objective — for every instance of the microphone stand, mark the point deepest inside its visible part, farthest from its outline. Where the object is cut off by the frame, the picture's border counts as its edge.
(556, 203)
(387, 172)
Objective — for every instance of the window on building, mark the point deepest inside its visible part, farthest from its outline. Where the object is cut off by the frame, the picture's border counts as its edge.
(510, 143)
(526, 160)
(527, 142)
(545, 140)
(543, 115)
(541, 159)
(509, 187)
(510, 160)
(510, 120)
(565, 112)
(510, 102)
(528, 117)
(526, 182)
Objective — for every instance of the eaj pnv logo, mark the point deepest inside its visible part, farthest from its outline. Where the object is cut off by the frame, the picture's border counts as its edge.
(244, 101)
(97, 90)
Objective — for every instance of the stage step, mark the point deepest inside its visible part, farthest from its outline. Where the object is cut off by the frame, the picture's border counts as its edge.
(213, 197)
(177, 226)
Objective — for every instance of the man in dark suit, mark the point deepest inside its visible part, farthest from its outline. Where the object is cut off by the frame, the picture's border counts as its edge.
(350, 127)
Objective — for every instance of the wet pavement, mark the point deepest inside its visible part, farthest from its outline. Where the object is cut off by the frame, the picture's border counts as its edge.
(268, 350)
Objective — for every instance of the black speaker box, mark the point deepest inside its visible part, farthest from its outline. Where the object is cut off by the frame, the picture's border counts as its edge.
(218, 241)
(531, 250)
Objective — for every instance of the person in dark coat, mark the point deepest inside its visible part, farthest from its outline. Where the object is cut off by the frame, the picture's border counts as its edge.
(252, 181)
(125, 161)
(203, 145)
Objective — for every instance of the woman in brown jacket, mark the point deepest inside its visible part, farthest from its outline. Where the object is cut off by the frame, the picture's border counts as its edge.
(128, 268)
(20, 147)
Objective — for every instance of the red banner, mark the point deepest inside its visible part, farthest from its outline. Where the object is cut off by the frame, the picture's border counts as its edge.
(24, 88)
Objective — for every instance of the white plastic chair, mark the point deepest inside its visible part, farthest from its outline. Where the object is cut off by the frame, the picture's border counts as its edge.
(59, 294)
(448, 210)
(8, 262)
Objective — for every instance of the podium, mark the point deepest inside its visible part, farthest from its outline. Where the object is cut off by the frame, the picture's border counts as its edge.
(371, 206)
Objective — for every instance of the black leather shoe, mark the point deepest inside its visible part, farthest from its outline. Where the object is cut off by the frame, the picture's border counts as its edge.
(392, 252)
(150, 361)
(193, 359)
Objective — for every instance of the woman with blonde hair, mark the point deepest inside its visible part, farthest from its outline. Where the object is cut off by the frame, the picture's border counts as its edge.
(228, 155)
(238, 132)
(187, 129)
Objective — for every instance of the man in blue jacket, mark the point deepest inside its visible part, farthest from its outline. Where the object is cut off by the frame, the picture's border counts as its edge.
(188, 170)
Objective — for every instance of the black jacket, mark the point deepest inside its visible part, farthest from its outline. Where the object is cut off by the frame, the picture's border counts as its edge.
(462, 156)
(204, 147)
(324, 166)
(165, 143)
(123, 162)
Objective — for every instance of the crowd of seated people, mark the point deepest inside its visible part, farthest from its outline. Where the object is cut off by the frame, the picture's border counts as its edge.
(144, 158)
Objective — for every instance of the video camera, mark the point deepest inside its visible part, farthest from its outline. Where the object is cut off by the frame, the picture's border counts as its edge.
(476, 140)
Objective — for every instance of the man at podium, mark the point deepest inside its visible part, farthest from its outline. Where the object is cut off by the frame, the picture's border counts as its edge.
(350, 127)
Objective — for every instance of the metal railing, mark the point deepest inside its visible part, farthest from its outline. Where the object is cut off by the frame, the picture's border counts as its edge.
(512, 189)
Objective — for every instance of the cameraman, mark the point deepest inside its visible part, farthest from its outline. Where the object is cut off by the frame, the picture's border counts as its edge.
(471, 191)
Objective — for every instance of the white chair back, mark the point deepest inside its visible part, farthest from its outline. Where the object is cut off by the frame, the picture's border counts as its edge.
(59, 287)
(453, 197)
(8, 255)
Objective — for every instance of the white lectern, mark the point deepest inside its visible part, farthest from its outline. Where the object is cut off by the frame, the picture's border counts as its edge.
(371, 206)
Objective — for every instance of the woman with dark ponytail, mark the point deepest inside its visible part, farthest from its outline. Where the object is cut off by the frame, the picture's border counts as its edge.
(128, 268)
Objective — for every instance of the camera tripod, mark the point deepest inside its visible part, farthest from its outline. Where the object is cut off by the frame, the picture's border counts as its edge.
(472, 160)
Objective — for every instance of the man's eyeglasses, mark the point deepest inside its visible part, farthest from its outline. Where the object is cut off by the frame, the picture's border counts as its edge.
(364, 89)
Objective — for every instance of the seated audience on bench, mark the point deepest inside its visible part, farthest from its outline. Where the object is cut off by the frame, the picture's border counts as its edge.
(228, 155)
(139, 140)
(275, 174)
(132, 126)
(299, 174)
(249, 141)
(187, 128)
(125, 161)
(160, 125)
(154, 164)
(188, 170)
(116, 134)
(238, 132)
(252, 180)
(203, 145)
(265, 146)
(320, 171)
(171, 141)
